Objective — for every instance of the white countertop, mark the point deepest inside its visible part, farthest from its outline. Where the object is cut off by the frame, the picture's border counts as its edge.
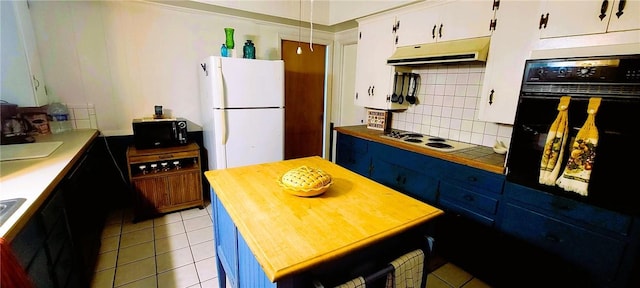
(35, 179)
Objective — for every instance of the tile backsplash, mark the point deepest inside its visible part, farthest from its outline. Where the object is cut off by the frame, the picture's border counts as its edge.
(447, 106)
(83, 116)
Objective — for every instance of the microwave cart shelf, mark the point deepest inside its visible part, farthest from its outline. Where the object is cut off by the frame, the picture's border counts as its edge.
(165, 179)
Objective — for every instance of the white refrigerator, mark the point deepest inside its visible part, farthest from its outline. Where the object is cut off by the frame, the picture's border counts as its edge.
(242, 111)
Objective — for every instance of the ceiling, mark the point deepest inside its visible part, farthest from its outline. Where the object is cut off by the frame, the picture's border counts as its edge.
(327, 15)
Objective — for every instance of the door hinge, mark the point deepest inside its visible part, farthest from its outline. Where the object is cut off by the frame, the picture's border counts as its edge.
(492, 24)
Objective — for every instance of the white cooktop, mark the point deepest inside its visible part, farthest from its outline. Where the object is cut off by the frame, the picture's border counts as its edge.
(426, 141)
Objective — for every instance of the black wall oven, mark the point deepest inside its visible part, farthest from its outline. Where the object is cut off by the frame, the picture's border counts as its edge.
(615, 176)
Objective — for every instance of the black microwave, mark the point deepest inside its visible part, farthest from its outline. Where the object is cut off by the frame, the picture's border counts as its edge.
(159, 133)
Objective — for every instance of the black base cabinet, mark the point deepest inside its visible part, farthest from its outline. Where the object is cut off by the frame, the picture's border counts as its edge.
(85, 195)
(503, 233)
(60, 244)
(44, 247)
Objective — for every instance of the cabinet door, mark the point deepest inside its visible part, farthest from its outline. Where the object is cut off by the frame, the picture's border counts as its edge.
(418, 26)
(570, 18)
(405, 180)
(373, 75)
(465, 19)
(22, 77)
(595, 252)
(628, 20)
(184, 188)
(516, 27)
(151, 193)
(411, 173)
(352, 153)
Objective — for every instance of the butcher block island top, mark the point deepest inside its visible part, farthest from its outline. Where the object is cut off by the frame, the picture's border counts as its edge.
(289, 234)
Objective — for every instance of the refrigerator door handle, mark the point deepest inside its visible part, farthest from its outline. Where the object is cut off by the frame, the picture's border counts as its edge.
(223, 121)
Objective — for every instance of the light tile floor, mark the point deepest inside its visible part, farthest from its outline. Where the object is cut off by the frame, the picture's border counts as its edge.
(176, 250)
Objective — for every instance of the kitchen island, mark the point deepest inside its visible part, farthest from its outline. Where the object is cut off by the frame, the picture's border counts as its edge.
(266, 237)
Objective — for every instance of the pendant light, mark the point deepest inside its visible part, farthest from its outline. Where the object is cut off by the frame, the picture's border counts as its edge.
(299, 50)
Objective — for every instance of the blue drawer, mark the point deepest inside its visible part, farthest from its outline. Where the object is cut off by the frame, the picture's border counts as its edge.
(468, 176)
(473, 199)
(418, 162)
(595, 252)
(411, 182)
(572, 209)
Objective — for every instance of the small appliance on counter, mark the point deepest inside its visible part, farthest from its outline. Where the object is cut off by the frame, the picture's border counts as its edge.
(159, 133)
(14, 130)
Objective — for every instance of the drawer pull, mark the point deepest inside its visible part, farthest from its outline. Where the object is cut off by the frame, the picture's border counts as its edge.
(472, 178)
(165, 156)
(468, 198)
(552, 238)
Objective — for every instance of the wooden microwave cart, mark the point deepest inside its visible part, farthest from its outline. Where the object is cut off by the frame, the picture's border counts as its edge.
(165, 179)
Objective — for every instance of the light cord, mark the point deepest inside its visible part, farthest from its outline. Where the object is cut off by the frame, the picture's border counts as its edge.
(311, 33)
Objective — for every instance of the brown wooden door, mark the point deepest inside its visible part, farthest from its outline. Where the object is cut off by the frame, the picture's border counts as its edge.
(304, 76)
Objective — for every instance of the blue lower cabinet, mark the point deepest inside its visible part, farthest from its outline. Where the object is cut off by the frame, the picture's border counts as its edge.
(353, 154)
(601, 242)
(226, 242)
(235, 261)
(250, 272)
(594, 252)
(474, 203)
(413, 183)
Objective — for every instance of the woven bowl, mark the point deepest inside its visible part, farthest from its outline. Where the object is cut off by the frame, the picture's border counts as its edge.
(304, 192)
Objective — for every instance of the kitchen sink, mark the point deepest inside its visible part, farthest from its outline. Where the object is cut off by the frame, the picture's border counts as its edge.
(8, 207)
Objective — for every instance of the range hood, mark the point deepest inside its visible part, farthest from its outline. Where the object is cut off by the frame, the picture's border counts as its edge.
(474, 49)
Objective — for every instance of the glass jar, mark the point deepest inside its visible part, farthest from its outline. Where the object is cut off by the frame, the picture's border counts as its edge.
(224, 52)
(249, 50)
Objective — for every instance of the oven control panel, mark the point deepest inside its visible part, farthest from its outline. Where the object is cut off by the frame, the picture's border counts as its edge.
(592, 70)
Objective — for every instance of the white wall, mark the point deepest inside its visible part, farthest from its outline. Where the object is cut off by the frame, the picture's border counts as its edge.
(120, 58)
(325, 12)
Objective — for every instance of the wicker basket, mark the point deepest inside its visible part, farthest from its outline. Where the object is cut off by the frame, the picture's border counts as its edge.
(304, 192)
(305, 181)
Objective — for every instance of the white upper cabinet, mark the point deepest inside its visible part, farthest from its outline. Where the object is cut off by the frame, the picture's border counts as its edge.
(571, 18)
(22, 76)
(512, 40)
(373, 75)
(449, 21)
